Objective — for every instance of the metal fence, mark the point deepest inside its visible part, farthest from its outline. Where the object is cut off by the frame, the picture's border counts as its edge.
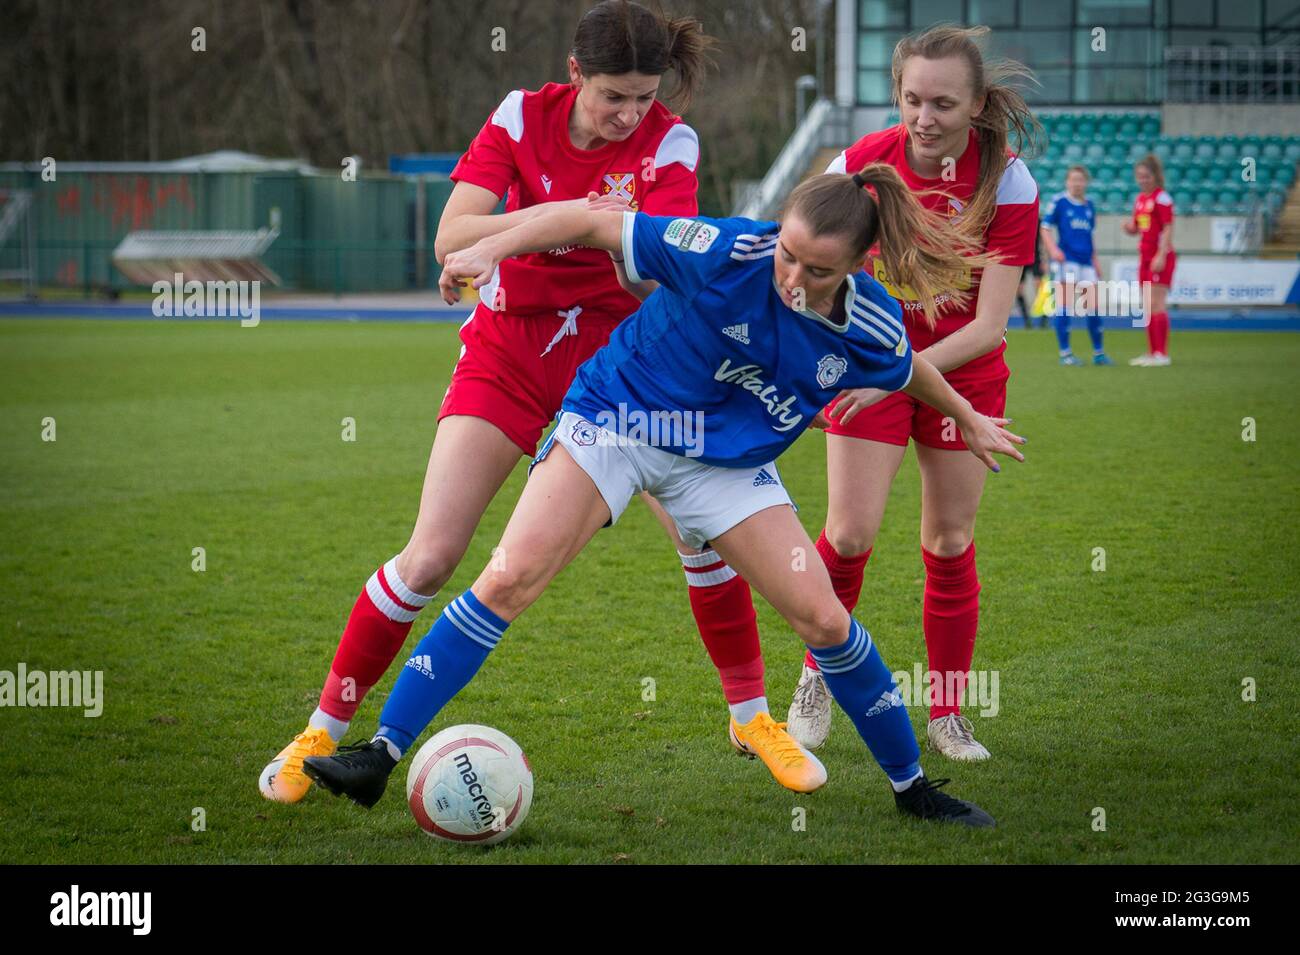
(1230, 74)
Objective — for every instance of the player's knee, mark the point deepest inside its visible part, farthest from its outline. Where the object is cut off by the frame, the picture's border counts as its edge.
(508, 589)
(851, 541)
(947, 542)
(824, 625)
(425, 567)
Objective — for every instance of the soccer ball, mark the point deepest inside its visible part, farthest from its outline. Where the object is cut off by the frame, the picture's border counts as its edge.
(470, 783)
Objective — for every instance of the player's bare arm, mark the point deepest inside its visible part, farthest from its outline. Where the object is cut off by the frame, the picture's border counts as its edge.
(997, 292)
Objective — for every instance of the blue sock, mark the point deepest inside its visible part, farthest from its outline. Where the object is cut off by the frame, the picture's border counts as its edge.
(1094, 332)
(1062, 325)
(443, 662)
(863, 687)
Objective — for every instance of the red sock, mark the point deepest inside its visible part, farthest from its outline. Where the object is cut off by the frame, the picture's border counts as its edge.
(950, 616)
(1158, 333)
(724, 612)
(846, 578)
(376, 629)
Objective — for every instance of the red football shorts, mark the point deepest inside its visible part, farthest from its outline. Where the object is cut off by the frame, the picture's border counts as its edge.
(514, 370)
(1164, 277)
(895, 419)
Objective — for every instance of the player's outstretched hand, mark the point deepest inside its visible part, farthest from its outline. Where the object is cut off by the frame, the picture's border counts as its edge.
(852, 400)
(476, 263)
(987, 436)
(598, 203)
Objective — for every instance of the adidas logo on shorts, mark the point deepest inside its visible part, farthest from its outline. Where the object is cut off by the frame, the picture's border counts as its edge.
(739, 332)
(762, 478)
(422, 664)
(887, 701)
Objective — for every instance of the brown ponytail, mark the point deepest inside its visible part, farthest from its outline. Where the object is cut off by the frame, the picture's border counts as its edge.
(620, 36)
(917, 246)
(1005, 110)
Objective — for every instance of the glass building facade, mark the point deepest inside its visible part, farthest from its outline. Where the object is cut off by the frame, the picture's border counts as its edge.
(1083, 52)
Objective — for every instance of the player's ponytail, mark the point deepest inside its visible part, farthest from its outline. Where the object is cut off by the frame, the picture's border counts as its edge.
(620, 36)
(918, 248)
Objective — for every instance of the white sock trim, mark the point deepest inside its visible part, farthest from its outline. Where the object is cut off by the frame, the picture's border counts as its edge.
(899, 787)
(330, 724)
(404, 593)
(745, 711)
(393, 751)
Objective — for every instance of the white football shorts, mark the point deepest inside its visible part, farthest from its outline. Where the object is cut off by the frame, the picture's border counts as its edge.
(704, 500)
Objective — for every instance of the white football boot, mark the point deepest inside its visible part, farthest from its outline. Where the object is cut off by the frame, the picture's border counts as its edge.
(952, 736)
(809, 719)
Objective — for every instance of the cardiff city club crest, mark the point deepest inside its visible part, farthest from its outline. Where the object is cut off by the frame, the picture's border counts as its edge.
(621, 185)
(584, 434)
(830, 369)
(955, 208)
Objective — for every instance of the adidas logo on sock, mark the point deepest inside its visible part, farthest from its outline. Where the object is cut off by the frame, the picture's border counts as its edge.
(887, 701)
(422, 664)
(762, 478)
(739, 332)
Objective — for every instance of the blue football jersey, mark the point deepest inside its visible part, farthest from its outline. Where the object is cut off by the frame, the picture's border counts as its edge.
(716, 345)
(1074, 222)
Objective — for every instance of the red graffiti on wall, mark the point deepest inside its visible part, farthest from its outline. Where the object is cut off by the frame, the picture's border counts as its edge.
(69, 202)
(134, 202)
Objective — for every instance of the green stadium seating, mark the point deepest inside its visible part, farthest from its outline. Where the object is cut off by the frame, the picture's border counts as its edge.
(1203, 172)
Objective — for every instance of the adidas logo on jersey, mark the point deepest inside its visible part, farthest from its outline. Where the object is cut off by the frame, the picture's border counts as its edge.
(739, 332)
(887, 701)
(422, 664)
(762, 478)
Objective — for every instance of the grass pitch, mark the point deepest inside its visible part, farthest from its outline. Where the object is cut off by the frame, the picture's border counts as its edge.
(1120, 689)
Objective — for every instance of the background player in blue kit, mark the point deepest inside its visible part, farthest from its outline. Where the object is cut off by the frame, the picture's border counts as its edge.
(1074, 262)
(812, 324)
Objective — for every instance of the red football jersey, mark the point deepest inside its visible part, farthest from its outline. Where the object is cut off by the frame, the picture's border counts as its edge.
(524, 150)
(1152, 211)
(1012, 232)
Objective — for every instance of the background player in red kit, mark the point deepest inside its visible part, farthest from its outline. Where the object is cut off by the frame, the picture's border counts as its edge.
(541, 317)
(1153, 222)
(951, 150)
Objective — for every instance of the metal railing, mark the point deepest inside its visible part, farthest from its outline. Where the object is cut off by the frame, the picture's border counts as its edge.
(826, 124)
(1232, 74)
